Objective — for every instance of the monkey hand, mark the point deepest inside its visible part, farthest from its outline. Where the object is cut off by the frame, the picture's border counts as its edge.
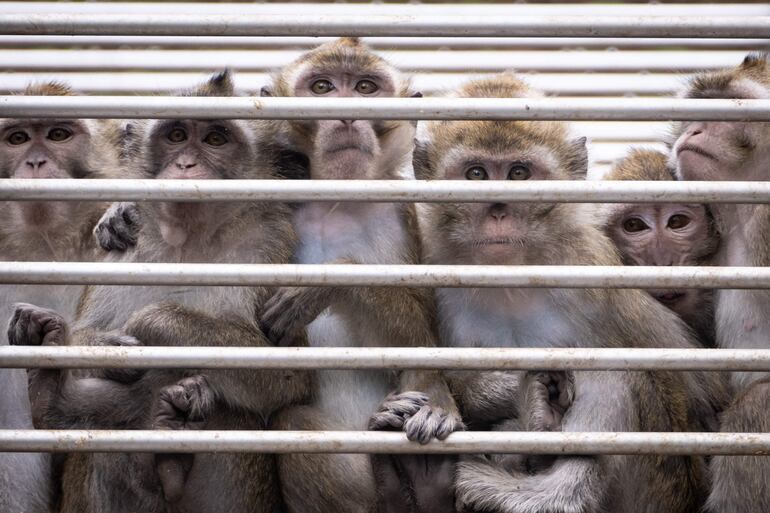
(183, 405)
(412, 413)
(32, 325)
(125, 376)
(290, 310)
(118, 228)
(548, 394)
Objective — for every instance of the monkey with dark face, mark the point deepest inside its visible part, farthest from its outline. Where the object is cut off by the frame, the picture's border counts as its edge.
(176, 316)
(554, 234)
(665, 234)
(355, 233)
(736, 151)
(44, 231)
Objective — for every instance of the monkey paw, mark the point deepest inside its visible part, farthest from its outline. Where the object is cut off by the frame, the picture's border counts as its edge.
(431, 422)
(125, 376)
(548, 395)
(184, 405)
(289, 311)
(396, 409)
(118, 228)
(32, 325)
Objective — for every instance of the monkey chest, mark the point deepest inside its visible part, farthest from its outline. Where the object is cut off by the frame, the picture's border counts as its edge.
(365, 233)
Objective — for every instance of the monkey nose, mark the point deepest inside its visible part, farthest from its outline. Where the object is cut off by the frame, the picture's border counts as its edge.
(186, 165)
(348, 122)
(36, 163)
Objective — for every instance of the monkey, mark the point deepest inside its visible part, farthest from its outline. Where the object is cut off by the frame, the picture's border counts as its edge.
(664, 234)
(355, 233)
(45, 231)
(185, 232)
(554, 234)
(738, 151)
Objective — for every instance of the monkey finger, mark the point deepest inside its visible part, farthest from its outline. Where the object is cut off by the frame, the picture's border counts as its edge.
(423, 426)
(385, 420)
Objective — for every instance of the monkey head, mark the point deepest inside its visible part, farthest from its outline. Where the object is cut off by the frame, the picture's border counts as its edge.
(498, 233)
(725, 150)
(197, 149)
(344, 149)
(55, 148)
(660, 234)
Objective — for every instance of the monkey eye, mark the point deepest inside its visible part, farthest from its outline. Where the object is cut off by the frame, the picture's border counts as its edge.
(634, 224)
(476, 173)
(177, 135)
(59, 134)
(17, 138)
(322, 86)
(215, 139)
(366, 87)
(519, 172)
(678, 221)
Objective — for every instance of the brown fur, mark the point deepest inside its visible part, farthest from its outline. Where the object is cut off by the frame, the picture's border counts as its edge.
(176, 316)
(394, 316)
(695, 246)
(557, 234)
(738, 151)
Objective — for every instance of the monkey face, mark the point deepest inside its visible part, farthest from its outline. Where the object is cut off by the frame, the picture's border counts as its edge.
(719, 150)
(498, 233)
(201, 150)
(665, 235)
(44, 149)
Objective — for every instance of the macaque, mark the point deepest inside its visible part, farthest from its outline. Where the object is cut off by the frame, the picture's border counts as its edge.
(554, 234)
(356, 233)
(738, 151)
(664, 234)
(184, 232)
(44, 231)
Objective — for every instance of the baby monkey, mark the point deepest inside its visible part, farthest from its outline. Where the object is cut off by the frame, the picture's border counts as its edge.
(664, 234)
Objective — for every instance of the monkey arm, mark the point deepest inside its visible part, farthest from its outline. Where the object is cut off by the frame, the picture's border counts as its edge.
(255, 390)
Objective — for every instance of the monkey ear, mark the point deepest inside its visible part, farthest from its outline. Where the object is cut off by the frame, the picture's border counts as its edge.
(577, 158)
(421, 161)
(265, 92)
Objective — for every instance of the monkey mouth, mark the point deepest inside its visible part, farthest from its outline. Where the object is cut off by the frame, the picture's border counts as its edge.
(670, 297)
(694, 149)
(349, 147)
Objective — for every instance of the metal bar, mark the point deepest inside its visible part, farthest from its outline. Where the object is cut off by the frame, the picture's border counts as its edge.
(576, 61)
(395, 358)
(335, 9)
(422, 191)
(281, 442)
(301, 24)
(180, 107)
(306, 275)
(379, 43)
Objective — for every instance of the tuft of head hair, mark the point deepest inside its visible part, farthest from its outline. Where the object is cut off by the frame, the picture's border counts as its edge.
(642, 164)
(219, 84)
(730, 82)
(53, 88)
(500, 136)
(346, 54)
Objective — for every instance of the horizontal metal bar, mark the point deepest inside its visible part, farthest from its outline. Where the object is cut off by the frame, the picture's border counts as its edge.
(281, 442)
(151, 357)
(377, 43)
(304, 275)
(300, 24)
(564, 84)
(430, 191)
(168, 107)
(579, 61)
(486, 9)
